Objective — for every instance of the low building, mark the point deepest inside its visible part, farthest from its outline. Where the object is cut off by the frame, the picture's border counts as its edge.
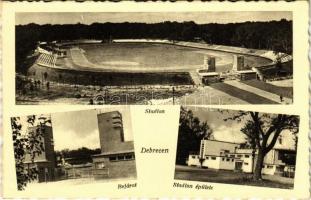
(209, 77)
(117, 157)
(244, 75)
(232, 156)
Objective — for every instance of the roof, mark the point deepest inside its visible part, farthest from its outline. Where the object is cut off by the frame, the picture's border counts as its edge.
(225, 142)
(284, 149)
(209, 74)
(246, 72)
(114, 153)
(102, 112)
(37, 161)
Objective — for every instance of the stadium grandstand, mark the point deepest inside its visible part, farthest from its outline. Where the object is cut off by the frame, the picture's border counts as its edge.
(47, 60)
(48, 54)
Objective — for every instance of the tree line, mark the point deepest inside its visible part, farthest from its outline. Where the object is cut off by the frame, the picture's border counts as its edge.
(83, 153)
(272, 35)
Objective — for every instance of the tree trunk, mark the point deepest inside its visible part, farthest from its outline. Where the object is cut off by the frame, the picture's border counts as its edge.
(253, 158)
(259, 164)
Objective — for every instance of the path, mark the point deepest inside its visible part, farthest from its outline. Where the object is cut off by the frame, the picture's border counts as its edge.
(195, 77)
(262, 93)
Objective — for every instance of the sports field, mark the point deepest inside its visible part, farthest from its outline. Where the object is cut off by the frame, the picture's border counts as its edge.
(149, 57)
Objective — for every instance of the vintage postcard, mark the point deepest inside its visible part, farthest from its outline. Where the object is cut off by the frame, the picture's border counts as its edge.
(155, 100)
(154, 57)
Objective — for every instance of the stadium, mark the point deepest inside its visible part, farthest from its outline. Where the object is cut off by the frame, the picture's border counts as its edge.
(158, 70)
(119, 62)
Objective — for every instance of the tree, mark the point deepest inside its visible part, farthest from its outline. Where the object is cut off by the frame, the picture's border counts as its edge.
(263, 130)
(249, 131)
(191, 132)
(30, 144)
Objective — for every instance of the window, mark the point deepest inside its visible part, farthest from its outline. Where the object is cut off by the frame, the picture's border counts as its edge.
(121, 157)
(246, 156)
(269, 166)
(280, 140)
(129, 157)
(112, 158)
(232, 160)
(227, 159)
(193, 157)
(239, 156)
(245, 163)
(99, 165)
(213, 158)
(223, 159)
(125, 157)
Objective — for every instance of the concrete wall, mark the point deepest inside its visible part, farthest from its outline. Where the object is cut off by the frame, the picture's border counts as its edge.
(80, 77)
(210, 79)
(246, 156)
(268, 169)
(212, 163)
(248, 76)
(48, 144)
(46, 170)
(111, 133)
(117, 169)
(210, 63)
(213, 147)
(238, 63)
(193, 160)
(122, 169)
(270, 157)
(226, 163)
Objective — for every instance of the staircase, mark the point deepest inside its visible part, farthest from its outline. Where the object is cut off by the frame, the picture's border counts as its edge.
(195, 78)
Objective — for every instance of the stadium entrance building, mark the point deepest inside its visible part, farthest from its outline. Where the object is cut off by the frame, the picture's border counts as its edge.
(233, 156)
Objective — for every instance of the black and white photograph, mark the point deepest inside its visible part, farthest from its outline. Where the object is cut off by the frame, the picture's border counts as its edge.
(237, 147)
(73, 148)
(154, 58)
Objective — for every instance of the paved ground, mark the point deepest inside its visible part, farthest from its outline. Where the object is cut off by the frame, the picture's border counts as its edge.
(230, 177)
(268, 95)
(33, 187)
(208, 95)
(236, 92)
(283, 83)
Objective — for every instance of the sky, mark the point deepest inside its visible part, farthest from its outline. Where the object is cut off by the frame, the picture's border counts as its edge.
(148, 17)
(78, 129)
(229, 130)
